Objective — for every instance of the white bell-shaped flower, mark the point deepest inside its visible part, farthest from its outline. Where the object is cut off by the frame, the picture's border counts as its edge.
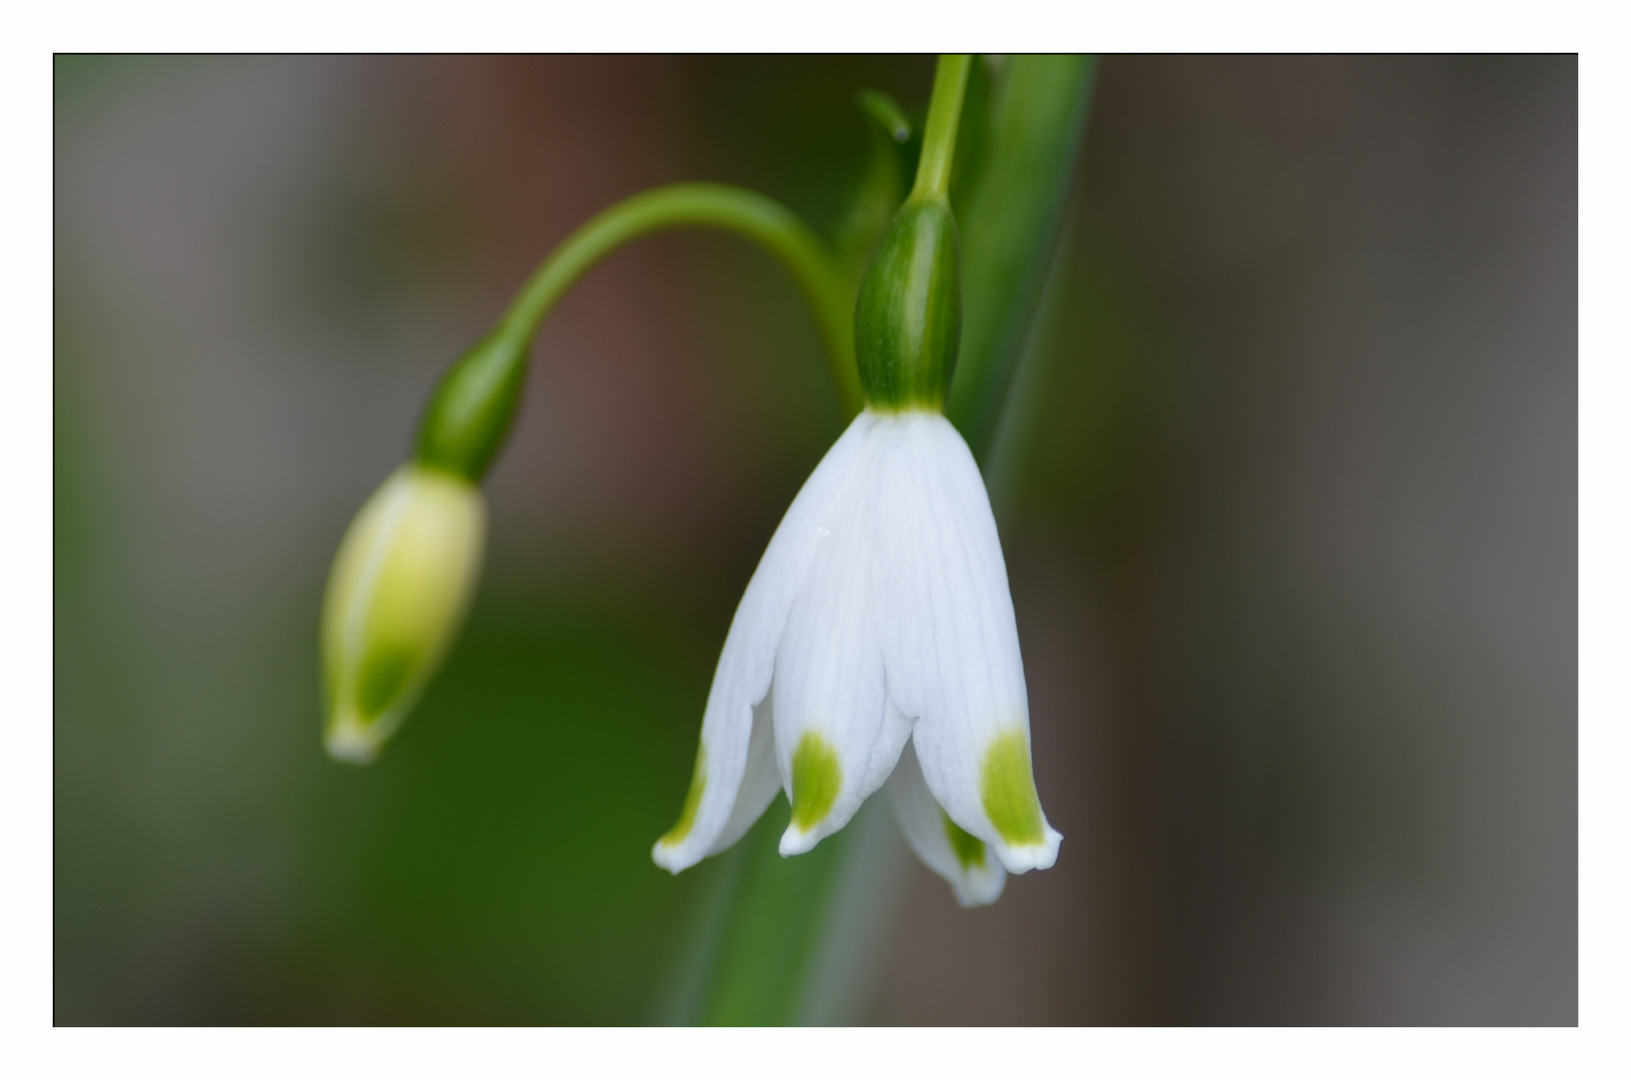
(876, 642)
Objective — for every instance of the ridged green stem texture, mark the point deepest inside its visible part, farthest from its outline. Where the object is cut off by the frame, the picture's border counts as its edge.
(908, 318)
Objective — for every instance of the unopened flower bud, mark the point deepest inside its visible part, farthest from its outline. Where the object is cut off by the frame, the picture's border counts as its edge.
(397, 594)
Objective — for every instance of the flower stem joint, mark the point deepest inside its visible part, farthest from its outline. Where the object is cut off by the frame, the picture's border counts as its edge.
(474, 406)
(908, 319)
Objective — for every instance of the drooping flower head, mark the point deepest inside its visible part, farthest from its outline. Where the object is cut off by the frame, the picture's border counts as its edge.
(876, 644)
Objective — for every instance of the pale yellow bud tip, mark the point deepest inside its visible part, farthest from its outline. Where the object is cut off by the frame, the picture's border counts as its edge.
(351, 740)
(397, 594)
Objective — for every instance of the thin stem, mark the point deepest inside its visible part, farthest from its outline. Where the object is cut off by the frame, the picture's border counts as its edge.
(940, 131)
(751, 216)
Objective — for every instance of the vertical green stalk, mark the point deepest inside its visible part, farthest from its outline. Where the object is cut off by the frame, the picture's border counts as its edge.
(940, 130)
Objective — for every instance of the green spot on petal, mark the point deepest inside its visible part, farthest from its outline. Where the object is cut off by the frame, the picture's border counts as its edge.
(970, 850)
(1007, 791)
(817, 779)
(693, 799)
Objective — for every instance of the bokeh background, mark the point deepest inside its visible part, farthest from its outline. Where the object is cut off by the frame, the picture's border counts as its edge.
(1291, 532)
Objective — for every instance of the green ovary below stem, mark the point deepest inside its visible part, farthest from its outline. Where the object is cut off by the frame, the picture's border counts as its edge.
(817, 778)
(693, 799)
(1007, 791)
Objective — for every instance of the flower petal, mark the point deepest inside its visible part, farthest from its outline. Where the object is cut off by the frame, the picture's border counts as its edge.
(967, 862)
(760, 778)
(951, 649)
(721, 779)
(834, 743)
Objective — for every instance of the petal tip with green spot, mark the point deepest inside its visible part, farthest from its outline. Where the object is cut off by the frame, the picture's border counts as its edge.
(665, 852)
(1008, 796)
(817, 779)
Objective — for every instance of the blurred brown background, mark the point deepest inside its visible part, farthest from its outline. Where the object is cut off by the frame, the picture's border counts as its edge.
(1291, 538)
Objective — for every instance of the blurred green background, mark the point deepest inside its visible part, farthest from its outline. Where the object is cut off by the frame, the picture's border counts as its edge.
(1291, 536)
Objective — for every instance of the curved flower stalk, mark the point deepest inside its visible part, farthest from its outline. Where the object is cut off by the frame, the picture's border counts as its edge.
(876, 642)
(405, 570)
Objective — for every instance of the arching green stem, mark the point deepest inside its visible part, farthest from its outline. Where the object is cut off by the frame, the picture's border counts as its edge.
(747, 214)
(472, 408)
